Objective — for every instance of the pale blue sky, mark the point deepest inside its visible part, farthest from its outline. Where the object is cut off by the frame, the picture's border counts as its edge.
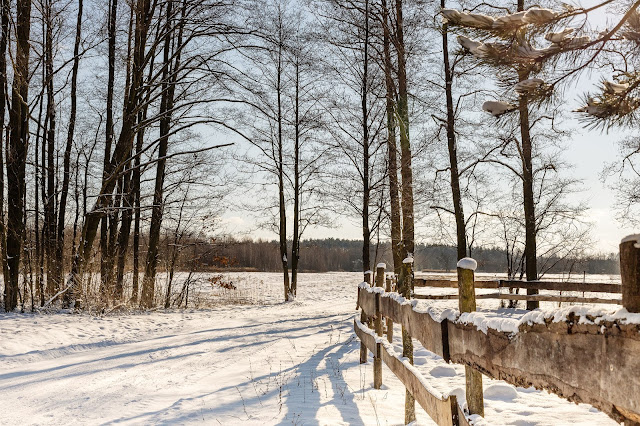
(587, 150)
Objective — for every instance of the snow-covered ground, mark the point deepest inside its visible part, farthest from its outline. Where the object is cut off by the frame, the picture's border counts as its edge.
(262, 362)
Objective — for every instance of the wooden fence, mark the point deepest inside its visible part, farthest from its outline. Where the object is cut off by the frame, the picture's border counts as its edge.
(608, 288)
(594, 360)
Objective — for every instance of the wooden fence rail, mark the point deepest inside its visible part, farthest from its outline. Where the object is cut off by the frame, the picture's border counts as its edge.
(538, 297)
(538, 285)
(608, 288)
(594, 360)
(444, 411)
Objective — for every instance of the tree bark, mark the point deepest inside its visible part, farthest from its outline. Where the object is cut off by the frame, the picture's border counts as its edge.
(17, 152)
(135, 190)
(107, 222)
(392, 149)
(67, 150)
(407, 190)
(530, 249)
(366, 187)
(295, 244)
(143, 14)
(166, 106)
(128, 199)
(4, 27)
(50, 233)
(280, 166)
(467, 301)
(452, 146)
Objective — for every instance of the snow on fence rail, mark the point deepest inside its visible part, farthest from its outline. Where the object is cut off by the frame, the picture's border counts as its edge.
(579, 354)
(582, 358)
(445, 411)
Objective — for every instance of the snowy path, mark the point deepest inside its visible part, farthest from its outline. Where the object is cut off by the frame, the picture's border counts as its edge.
(276, 364)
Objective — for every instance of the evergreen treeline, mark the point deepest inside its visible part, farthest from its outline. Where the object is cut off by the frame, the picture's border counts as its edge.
(346, 255)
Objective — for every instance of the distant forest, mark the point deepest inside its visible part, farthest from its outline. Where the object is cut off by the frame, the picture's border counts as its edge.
(346, 255)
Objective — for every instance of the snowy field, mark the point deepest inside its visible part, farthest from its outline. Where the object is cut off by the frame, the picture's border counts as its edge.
(249, 360)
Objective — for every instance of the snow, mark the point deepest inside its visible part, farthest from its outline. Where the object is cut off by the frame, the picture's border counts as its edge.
(528, 85)
(560, 36)
(634, 237)
(539, 16)
(497, 108)
(501, 392)
(262, 362)
(443, 371)
(468, 263)
(584, 314)
(617, 88)
(381, 265)
(484, 323)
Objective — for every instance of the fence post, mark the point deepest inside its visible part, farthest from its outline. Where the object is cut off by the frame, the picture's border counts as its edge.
(405, 282)
(363, 320)
(467, 303)
(377, 361)
(630, 272)
(389, 321)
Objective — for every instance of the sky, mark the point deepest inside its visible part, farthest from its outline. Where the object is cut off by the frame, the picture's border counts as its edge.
(588, 151)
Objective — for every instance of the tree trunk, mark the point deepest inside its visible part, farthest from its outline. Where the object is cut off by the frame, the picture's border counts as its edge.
(17, 152)
(467, 302)
(122, 148)
(123, 235)
(166, 105)
(407, 190)
(4, 22)
(106, 264)
(39, 186)
(280, 166)
(531, 251)
(451, 143)
(67, 150)
(295, 245)
(366, 189)
(136, 223)
(53, 284)
(392, 149)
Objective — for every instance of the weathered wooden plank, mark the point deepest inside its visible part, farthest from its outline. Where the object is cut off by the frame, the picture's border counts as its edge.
(367, 302)
(462, 419)
(435, 296)
(419, 325)
(594, 364)
(452, 283)
(366, 338)
(539, 285)
(591, 363)
(440, 410)
(564, 286)
(553, 298)
(630, 272)
(438, 282)
(538, 297)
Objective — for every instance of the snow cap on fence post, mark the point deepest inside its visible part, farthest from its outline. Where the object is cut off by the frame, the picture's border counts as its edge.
(468, 263)
(630, 272)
